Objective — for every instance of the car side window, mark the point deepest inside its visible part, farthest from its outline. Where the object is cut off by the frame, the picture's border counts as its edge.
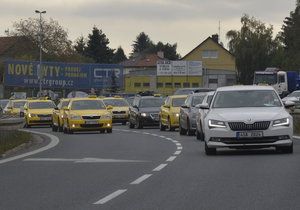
(167, 101)
(189, 101)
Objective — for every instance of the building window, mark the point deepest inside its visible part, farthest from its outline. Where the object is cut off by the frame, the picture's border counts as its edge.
(210, 54)
(146, 84)
(215, 81)
(159, 85)
(230, 81)
(137, 84)
(168, 85)
(186, 84)
(195, 85)
(177, 85)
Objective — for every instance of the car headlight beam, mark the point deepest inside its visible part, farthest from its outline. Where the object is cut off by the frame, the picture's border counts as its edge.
(281, 122)
(144, 114)
(216, 124)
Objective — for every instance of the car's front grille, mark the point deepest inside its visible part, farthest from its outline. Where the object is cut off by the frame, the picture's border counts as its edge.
(91, 117)
(154, 116)
(119, 112)
(241, 126)
(44, 115)
(91, 125)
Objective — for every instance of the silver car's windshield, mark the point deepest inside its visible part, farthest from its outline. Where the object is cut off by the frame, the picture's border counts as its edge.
(246, 98)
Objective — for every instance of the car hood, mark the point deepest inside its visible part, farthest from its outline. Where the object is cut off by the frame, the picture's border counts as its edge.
(246, 114)
(150, 109)
(89, 112)
(290, 99)
(175, 109)
(120, 108)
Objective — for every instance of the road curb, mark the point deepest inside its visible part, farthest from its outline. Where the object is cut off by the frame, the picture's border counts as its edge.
(54, 141)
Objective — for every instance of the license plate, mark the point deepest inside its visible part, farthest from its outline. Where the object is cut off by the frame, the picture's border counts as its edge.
(249, 134)
(45, 118)
(91, 122)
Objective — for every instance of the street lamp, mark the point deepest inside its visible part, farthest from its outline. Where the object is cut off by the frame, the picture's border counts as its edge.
(40, 39)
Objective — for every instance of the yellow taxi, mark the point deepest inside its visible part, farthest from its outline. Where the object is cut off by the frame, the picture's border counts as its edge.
(87, 114)
(58, 115)
(169, 112)
(38, 112)
(120, 109)
(14, 106)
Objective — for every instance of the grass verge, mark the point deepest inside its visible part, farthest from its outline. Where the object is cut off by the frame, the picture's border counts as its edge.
(10, 139)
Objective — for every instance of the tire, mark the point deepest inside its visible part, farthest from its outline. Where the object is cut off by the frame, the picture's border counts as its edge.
(26, 124)
(109, 130)
(161, 126)
(102, 131)
(54, 128)
(200, 134)
(285, 149)
(182, 131)
(130, 125)
(60, 129)
(124, 123)
(210, 151)
(139, 125)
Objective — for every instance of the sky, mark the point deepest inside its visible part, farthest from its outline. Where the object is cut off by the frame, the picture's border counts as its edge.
(185, 22)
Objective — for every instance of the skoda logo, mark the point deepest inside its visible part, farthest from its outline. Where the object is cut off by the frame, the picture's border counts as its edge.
(248, 121)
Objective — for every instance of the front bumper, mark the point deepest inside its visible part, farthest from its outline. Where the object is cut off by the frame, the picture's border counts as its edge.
(82, 125)
(149, 120)
(272, 137)
(174, 121)
(39, 121)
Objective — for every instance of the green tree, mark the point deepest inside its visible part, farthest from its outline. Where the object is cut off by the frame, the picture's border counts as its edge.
(169, 50)
(252, 46)
(54, 36)
(80, 45)
(142, 43)
(119, 56)
(290, 37)
(97, 47)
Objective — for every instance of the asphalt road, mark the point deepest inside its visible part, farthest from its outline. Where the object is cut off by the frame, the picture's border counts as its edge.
(148, 169)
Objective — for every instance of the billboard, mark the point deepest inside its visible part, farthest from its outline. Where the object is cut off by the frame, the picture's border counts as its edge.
(179, 68)
(61, 75)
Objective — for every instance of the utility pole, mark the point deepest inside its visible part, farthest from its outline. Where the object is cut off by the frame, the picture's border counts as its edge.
(39, 70)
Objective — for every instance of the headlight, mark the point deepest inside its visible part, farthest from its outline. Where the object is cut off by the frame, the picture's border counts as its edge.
(216, 124)
(32, 115)
(281, 122)
(177, 115)
(106, 117)
(144, 114)
(62, 116)
(75, 117)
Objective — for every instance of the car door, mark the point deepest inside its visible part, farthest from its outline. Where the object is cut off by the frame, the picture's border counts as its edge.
(164, 111)
(133, 110)
(184, 112)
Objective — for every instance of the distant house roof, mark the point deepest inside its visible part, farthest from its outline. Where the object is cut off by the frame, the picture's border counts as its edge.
(209, 38)
(143, 60)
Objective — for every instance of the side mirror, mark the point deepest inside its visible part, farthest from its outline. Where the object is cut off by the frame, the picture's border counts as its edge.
(66, 108)
(25, 108)
(166, 106)
(109, 107)
(9, 107)
(56, 108)
(135, 106)
(185, 106)
(203, 106)
(289, 104)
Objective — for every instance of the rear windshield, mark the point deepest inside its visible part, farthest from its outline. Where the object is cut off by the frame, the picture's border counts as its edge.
(115, 102)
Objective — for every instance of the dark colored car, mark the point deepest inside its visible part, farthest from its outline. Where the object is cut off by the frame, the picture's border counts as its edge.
(145, 111)
(187, 91)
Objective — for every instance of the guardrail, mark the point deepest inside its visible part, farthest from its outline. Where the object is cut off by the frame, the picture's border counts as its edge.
(9, 123)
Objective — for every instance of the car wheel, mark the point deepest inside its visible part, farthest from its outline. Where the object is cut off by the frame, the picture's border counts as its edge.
(210, 151)
(109, 130)
(26, 124)
(123, 123)
(198, 135)
(285, 149)
(102, 131)
(139, 124)
(161, 126)
(130, 125)
(54, 128)
(182, 131)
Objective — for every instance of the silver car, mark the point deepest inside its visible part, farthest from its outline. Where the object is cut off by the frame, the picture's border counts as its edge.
(187, 114)
(247, 117)
(200, 115)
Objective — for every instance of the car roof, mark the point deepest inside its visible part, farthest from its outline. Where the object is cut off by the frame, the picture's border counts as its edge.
(80, 99)
(244, 87)
(178, 96)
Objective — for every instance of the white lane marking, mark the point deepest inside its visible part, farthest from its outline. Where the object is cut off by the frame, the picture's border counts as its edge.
(161, 166)
(141, 179)
(110, 197)
(54, 141)
(170, 159)
(179, 148)
(177, 152)
(170, 139)
(178, 144)
(174, 141)
(162, 137)
(84, 160)
(155, 135)
(146, 133)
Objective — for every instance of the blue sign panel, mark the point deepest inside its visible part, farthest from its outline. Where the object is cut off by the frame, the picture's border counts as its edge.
(62, 75)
